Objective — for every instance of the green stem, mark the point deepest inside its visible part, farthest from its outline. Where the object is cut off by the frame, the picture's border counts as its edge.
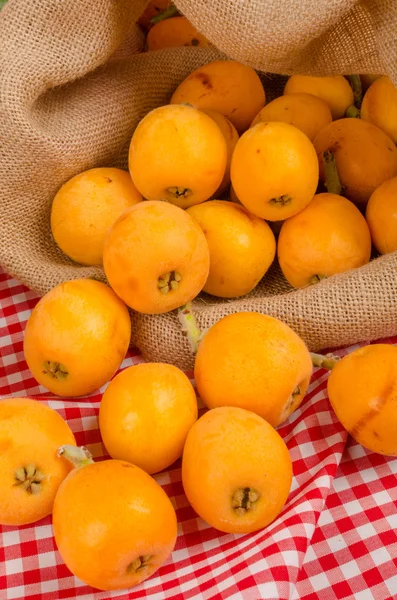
(78, 456)
(190, 329)
(353, 112)
(171, 11)
(325, 361)
(355, 82)
(332, 182)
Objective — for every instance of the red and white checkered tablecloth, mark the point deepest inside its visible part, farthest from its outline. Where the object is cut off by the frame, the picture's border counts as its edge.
(336, 537)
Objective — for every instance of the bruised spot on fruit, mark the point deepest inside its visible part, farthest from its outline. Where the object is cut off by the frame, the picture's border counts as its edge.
(376, 434)
(5, 445)
(29, 478)
(139, 563)
(334, 146)
(195, 42)
(169, 281)
(108, 179)
(205, 80)
(281, 200)
(375, 406)
(243, 499)
(55, 370)
(123, 217)
(258, 151)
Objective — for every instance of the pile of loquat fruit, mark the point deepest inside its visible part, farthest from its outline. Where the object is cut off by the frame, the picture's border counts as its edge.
(214, 177)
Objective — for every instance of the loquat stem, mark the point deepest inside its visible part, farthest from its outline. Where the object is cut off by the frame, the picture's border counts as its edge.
(325, 361)
(171, 11)
(353, 112)
(332, 182)
(78, 456)
(189, 326)
(355, 82)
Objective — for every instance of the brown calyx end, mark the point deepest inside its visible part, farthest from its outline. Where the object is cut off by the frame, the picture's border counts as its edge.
(169, 281)
(291, 404)
(29, 478)
(244, 499)
(139, 563)
(296, 392)
(281, 200)
(179, 192)
(316, 278)
(55, 370)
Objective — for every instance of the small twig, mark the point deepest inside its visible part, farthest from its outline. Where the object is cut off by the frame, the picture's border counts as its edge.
(171, 11)
(189, 326)
(353, 112)
(332, 181)
(78, 456)
(355, 82)
(325, 361)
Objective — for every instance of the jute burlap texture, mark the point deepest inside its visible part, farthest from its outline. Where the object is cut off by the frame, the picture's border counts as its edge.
(73, 88)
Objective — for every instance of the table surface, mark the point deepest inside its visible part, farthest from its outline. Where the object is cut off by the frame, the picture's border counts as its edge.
(336, 537)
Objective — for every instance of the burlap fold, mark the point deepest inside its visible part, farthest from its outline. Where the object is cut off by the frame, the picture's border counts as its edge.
(73, 88)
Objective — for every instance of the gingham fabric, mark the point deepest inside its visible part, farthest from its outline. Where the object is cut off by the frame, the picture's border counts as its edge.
(336, 537)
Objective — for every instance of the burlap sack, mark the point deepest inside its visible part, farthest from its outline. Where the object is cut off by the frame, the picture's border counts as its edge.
(72, 89)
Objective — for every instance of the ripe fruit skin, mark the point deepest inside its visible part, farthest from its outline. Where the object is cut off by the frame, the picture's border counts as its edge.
(106, 516)
(150, 241)
(77, 337)
(30, 434)
(381, 216)
(274, 170)
(176, 31)
(379, 106)
(177, 153)
(231, 138)
(336, 91)
(253, 361)
(329, 236)
(365, 156)
(229, 450)
(145, 415)
(242, 247)
(226, 86)
(84, 209)
(362, 389)
(306, 112)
